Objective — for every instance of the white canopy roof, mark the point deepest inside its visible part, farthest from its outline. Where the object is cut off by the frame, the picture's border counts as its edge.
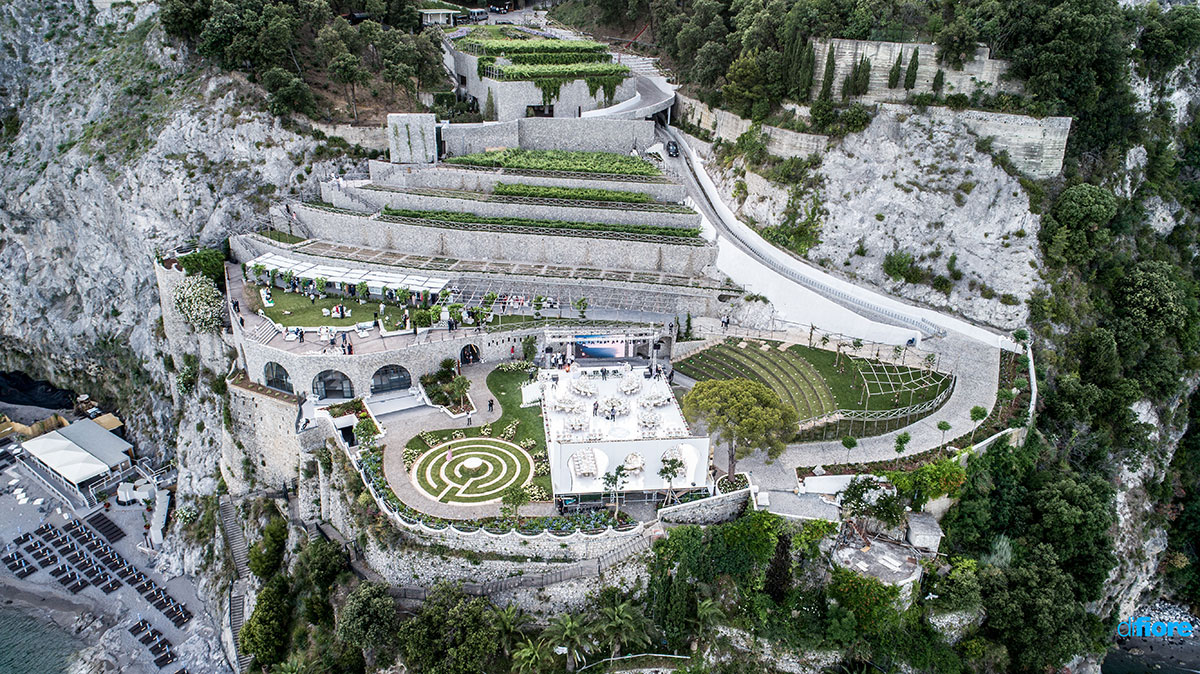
(375, 279)
(72, 462)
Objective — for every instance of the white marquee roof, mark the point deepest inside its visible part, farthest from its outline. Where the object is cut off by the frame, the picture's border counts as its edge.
(77, 452)
(376, 280)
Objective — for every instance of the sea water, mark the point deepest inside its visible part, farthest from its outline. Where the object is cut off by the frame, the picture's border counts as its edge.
(32, 646)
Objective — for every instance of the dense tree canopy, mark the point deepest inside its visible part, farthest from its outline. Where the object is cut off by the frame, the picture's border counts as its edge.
(744, 414)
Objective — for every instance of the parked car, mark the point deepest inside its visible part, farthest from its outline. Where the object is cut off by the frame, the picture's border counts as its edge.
(672, 148)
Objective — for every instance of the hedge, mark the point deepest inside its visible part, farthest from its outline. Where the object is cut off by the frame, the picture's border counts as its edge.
(543, 58)
(583, 193)
(560, 160)
(496, 47)
(469, 218)
(565, 71)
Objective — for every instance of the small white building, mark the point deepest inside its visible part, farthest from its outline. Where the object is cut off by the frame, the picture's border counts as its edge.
(79, 459)
(438, 17)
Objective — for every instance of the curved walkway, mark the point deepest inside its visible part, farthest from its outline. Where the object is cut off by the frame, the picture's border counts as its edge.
(403, 425)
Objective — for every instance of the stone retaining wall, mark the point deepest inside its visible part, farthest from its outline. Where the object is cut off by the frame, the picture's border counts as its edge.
(370, 137)
(570, 251)
(412, 137)
(980, 72)
(550, 133)
(377, 199)
(446, 176)
(728, 126)
(711, 510)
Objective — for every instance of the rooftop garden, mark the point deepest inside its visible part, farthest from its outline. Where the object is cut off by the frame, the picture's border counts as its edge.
(493, 46)
(560, 160)
(297, 310)
(472, 219)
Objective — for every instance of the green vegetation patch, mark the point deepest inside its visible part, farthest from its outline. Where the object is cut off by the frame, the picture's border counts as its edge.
(296, 310)
(793, 379)
(560, 160)
(497, 47)
(469, 218)
(583, 193)
(567, 71)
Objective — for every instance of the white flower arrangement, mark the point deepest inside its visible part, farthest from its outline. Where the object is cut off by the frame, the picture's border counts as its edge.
(410, 456)
(486, 431)
(510, 430)
(515, 366)
(536, 493)
(200, 303)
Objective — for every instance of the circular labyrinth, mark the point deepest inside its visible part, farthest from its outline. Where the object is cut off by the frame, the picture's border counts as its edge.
(471, 470)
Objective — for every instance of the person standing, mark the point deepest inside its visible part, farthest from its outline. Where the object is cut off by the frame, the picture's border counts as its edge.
(469, 413)
(491, 404)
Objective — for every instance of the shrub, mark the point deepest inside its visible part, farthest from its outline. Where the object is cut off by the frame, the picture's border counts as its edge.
(200, 303)
(208, 262)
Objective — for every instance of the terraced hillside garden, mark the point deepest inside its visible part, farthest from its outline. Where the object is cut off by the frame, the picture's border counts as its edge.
(483, 220)
(560, 160)
(297, 310)
(580, 193)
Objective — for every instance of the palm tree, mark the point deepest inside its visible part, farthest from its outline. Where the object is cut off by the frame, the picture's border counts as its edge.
(510, 621)
(532, 657)
(708, 614)
(572, 632)
(458, 388)
(623, 625)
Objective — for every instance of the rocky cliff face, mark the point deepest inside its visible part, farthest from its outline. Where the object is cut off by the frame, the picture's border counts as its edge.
(919, 185)
(116, 148)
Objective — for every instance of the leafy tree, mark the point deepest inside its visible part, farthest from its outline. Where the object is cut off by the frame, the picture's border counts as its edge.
(956, 42)
(288, 93)
(894, 73)
(910, 75)
(324, 561)
(458, 387)
(265, 634)
(489, 108)
(183, 18)
(266, 556)
(369, 619)
(978, 414)
(1167, 39)
(872, 603)
(452, 634)
(849, 442)
(513, 497)
(779, 573)
(347, 69)
(671, 469)
(614, 481)
(581, 305)
(708, 615)
(902, 441)
(742, 413)
(572, 632)
(805, 72)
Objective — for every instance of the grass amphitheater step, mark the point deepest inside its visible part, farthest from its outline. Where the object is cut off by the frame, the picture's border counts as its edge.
(802, 373)
(445, 473)
(795, 380)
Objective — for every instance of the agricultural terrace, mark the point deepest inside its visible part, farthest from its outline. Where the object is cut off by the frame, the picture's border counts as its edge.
(818, 382)
(527, 434)
(433, 218)
(472, 470)
(580, 200)
(581, 193)
(560, 160)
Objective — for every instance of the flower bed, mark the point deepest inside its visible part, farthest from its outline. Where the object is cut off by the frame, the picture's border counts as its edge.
(732, 483)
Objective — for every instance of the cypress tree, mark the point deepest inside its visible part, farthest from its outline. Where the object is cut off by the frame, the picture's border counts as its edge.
(827, 79)
(808, 66)
(910, 76)
(894, 73)
(939, 80)
(862, 77)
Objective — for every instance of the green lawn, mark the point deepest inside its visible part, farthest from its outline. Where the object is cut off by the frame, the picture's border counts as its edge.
(505, 464)
(505, 387)
(294, 309)
(282, 237)
(846, 383)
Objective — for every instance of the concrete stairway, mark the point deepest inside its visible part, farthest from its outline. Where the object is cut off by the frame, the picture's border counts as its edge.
(237, 616)
(261, 333)
(234, 538)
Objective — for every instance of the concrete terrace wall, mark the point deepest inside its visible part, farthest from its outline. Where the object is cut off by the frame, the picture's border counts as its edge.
(498, 209)
(571, 251)
(370, 137)
(448, 177)
(547, 133)
(512, 98)
(711, 510)
(981, 71)
(728, 126)
(412, 138)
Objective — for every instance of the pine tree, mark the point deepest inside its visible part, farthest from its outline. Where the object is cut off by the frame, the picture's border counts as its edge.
(894, 73)
(939, 80)
(910, 76)
(827, 79)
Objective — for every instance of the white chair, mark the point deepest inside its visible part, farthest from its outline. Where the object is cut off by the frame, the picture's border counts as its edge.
(325, 312)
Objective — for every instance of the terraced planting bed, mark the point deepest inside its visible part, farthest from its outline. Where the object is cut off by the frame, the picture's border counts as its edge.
(433, 218)
(795, 380)
(472, 470)
(497, 197)
(560, 160)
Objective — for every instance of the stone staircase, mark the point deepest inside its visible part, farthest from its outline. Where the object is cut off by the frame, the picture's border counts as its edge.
(261, 333)
(640, 65)
(237, 616)
(234, 538)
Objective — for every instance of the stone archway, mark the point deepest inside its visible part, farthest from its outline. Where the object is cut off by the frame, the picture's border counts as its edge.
(332, 384)
(390, 378)
(469, 354)
(276, 377)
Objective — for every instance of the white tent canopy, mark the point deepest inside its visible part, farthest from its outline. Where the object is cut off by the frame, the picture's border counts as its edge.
(74, 463)
(376, 280)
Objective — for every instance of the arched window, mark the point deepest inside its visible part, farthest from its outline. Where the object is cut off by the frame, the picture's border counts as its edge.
(274, 376)
(332, 384)
(390, 378)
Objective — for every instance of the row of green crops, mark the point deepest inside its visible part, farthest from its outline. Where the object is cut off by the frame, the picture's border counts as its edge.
(471, 219)
(582, 193)
(566, 71)
(498, 47)
(543, 58)
(560, 160)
